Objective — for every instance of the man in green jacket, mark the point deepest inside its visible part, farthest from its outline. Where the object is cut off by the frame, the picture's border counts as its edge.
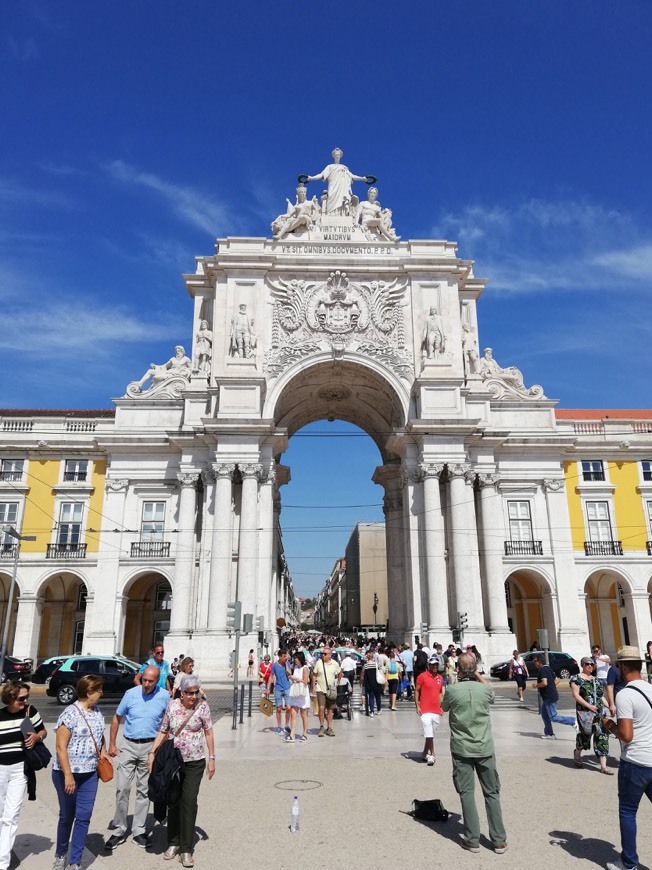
(472, 749)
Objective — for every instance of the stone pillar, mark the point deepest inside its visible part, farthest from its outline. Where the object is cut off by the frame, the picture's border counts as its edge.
(572, 628)
(410, 483)
(464, 546)
(222, 546)
(184, 558)
(266, 545)
(27, 627)
(103, 620)
(248, 539)
(435, 547)
(491, 537)
(637, 605)
(399, 622)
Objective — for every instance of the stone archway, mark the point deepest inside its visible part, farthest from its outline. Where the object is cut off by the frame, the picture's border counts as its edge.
(609, 610)
(358, 394)
(62, 607)
(530, 607)
(147, 605)
(5, 583)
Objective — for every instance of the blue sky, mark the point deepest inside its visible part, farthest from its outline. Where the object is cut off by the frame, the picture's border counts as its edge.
(135, 133)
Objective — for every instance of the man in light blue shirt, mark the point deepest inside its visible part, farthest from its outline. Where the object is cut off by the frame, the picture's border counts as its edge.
(165, 677)
(142, 709)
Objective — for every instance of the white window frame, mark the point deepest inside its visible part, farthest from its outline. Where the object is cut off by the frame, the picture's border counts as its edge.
(648, 471)
(588, 504)
(148, 535)
(590, 462)
(14, 468)
(72, 466)
(61, 522)
(648, 516)
(163, 597)
(519, 519)
(5, 520)
(160, 629)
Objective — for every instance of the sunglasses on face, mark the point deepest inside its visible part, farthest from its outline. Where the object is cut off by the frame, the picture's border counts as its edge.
(192, 694)
(23, 699)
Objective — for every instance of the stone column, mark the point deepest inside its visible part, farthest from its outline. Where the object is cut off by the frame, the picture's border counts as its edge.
(435, 546)
(637, 606)
(27, 627)
(248, 538)
(572, 628)
(464, 545)
(103, 626)
(222, 546)
(184, 557)
(400, 623)
(266, 544)
(491, 537)
(411, 487)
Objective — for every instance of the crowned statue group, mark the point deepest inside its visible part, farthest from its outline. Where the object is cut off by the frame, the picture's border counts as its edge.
(373, 222)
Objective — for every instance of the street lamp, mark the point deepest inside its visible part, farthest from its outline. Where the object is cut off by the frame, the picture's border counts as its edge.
(375, 609)
(9, 530)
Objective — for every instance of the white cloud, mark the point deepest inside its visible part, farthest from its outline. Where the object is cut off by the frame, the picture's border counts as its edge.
(187, 203)
(77, 330)
(544, 246)
(13, 193)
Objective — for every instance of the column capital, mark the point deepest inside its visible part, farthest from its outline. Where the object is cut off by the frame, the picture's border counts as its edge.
(392, 503)
(207, 476)
(488, 481)
(554, 484)
(410, 476)
(250, 469)
(431, 469)
(464, 470)
(116, 484)
(268, 474)
(223, 470)
(187, 479)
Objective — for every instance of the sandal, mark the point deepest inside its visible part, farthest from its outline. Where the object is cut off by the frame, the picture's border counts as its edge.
(289, 739)
(577, 762)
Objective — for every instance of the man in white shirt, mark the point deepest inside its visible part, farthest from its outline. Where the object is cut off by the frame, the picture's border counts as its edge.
(634, 730)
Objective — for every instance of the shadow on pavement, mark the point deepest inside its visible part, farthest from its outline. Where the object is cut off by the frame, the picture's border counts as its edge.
(451, 829)
(414, 756)
(587, 848)
(31, 843)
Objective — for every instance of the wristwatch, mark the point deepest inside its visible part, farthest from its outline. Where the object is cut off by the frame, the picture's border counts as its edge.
(211, 758)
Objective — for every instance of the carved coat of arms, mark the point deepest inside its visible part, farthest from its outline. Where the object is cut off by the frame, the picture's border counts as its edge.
(338, 314)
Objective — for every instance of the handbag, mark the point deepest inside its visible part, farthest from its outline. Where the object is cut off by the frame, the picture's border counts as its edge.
(380, 677)
(331, 691)
(265, 706)
(104, 766)
(39, 756)
(297, 690)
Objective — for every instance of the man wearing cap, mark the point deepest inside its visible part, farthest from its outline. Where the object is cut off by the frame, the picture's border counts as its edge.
(634, 730)
(546, 684)
(428, 692)
(472, 751)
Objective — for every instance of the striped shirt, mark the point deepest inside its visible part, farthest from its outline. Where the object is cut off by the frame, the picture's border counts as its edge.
(12, 744)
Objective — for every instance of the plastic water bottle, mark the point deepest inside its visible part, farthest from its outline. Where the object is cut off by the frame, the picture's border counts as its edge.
(294, 817)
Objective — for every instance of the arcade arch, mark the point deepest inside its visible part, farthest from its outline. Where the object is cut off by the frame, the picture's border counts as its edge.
(530, 607)
(5, 583)
(147, 601)
(609, 610)
(62, 609)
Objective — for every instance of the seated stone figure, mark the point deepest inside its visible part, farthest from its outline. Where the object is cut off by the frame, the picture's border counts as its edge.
(178, 366)
(489, 368)
(300, 216)
(374, 220)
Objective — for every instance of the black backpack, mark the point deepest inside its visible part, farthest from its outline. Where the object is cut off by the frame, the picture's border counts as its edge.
(420, 660)
(429, 811)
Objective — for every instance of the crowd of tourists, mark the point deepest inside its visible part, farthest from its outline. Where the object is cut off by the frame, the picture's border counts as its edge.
(167, 742)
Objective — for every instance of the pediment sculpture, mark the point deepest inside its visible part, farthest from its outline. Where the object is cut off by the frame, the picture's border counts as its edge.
(505, 382)
(337, 314)
(338, 215)
(168, 380)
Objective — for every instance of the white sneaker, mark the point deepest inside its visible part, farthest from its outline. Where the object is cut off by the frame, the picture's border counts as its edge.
(618, 865)
(430, 760)
(378, 712)
(60, 862)
(371, 715)
(548, 737)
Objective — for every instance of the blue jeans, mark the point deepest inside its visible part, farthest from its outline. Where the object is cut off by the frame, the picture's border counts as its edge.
(74, 809)
(633, 782)
(549, 715)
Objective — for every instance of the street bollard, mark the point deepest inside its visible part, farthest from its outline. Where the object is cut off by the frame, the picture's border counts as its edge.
(235, 708)
(242, 690)
(251, 694)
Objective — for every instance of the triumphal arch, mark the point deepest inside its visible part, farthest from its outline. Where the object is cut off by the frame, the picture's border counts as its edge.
(337, 316)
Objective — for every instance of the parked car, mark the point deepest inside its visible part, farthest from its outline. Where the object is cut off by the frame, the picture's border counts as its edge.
(563, 666)
(16, 669)
(118, 674)
(47, 667)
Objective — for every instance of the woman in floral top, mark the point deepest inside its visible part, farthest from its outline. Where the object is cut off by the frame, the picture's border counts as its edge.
(197, 734)
(74, 770)
(587, 691)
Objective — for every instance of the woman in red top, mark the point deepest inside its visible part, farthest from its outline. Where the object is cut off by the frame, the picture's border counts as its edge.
(264, 671)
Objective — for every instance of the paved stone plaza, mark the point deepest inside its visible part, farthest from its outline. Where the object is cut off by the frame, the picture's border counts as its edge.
(354, 791)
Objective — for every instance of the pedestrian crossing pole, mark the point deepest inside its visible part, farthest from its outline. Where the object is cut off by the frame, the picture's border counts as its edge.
(234, 623)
